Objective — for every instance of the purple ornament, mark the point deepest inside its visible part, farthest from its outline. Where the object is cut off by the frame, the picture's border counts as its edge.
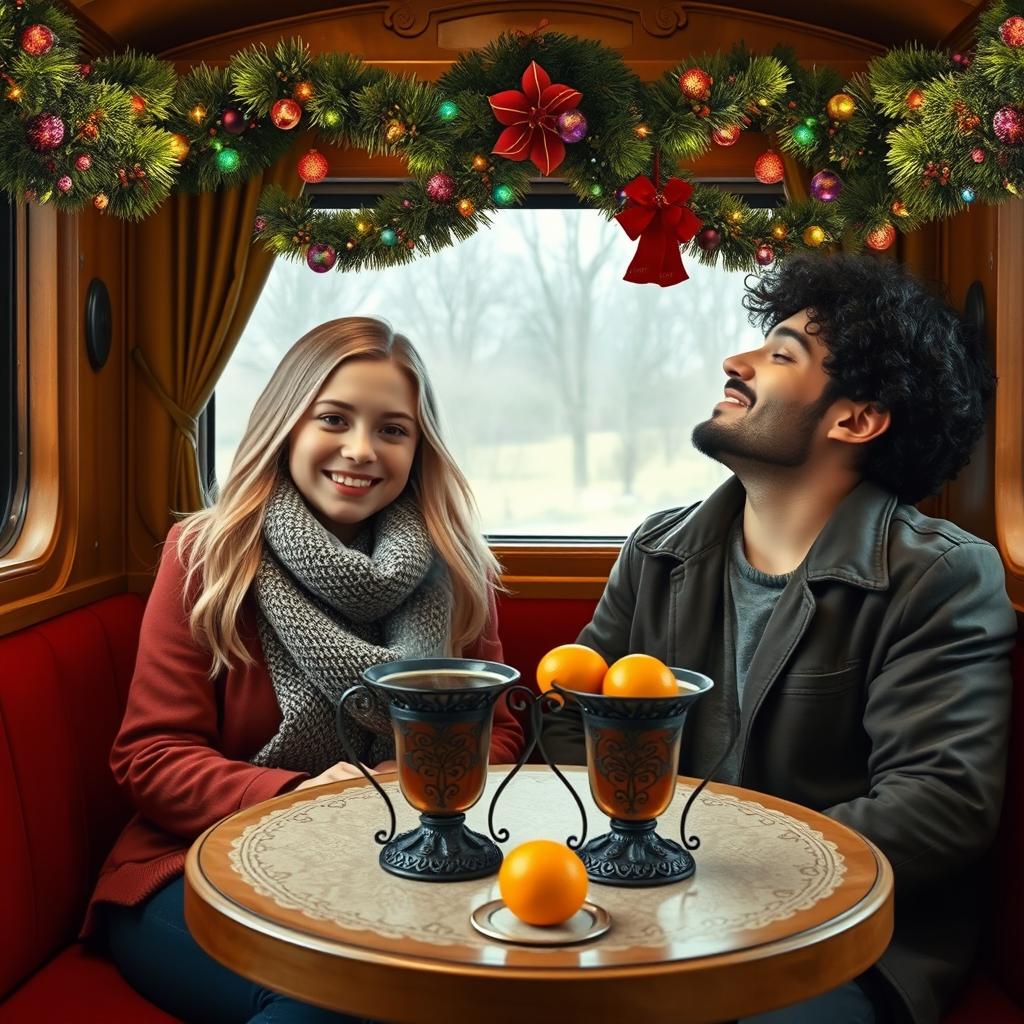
(320, 257)
(259, 224)
(233, 121)
(45, 132)
(406, 204)
(765, 254)
(64, 183)
(441, 188)
(1008, 124)
(826, 186)
(572, 126)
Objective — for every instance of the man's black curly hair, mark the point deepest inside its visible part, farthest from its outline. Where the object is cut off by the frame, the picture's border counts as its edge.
(892, 342)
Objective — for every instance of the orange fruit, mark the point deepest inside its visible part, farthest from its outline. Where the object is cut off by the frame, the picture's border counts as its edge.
(640, 675)
(542, 882)
(573, 667)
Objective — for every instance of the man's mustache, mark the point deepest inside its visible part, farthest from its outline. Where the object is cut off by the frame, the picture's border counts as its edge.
(735, 384)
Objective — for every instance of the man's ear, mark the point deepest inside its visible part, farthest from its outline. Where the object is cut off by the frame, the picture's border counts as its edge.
(857, 422)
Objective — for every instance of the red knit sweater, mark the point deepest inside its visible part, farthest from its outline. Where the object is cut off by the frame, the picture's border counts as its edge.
(181, 753)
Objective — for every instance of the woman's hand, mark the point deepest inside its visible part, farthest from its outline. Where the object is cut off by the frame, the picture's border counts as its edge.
(344, 770)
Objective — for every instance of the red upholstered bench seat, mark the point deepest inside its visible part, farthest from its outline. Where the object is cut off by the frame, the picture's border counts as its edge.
(63, 686)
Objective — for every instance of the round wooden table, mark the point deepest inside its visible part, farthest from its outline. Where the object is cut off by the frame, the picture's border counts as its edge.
(785, 904)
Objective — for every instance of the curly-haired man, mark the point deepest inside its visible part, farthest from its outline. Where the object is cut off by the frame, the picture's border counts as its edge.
(860, 648)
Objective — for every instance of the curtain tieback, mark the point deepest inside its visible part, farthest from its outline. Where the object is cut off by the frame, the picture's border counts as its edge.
(188, 425)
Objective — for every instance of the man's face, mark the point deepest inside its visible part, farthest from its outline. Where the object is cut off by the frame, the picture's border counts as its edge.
(774, 401)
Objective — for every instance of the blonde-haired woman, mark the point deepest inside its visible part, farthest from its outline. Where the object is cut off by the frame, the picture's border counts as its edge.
(344, 536)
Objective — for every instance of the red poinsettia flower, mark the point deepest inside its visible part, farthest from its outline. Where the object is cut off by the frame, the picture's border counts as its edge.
(531, 116)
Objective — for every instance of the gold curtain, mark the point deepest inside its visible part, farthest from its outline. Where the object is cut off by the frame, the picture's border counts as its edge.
(197, 276)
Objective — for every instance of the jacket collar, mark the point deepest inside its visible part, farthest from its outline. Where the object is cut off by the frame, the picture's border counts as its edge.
(852, 547)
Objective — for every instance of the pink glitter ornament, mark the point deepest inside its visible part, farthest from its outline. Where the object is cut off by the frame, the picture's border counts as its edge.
(441, 188)
(321, 257)
(45, 132)
(1008, 124)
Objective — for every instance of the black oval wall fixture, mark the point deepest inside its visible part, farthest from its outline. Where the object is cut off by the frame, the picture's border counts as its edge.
(974, 308)
(97, 323)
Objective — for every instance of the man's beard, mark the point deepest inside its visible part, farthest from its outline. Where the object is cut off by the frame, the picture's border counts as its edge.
(780, 433)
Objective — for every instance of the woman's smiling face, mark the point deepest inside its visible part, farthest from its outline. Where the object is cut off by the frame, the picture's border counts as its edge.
(351, 452)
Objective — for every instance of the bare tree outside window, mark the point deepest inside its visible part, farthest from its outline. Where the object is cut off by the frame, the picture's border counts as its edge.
(568, 395)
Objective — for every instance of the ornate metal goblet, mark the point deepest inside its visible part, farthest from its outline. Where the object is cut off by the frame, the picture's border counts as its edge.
(632, 763)
(442, 712)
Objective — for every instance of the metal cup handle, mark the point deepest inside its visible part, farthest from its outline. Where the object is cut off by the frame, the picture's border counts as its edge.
(521, 697)
(382, 837)
(693, 842)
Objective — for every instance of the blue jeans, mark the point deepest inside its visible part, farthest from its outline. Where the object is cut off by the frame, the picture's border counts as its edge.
(155, 951)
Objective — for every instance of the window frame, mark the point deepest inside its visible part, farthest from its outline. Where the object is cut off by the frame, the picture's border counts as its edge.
(13, 376)
(1009, 440)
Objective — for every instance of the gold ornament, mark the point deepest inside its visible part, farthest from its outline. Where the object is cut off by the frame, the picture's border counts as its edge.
(394, 131)
(641, 131)
(198, 113)
(813, 236)
(350, 245)
(303, 92)
(179, 146)
(898, 209)
(779, 231)
(363, 227)
(100, 201)
(480, 163)
(465, 207)
(735, 217)
(841, 107)
(15, 93)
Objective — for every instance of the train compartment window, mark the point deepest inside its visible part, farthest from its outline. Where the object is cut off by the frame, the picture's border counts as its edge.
(568, 394)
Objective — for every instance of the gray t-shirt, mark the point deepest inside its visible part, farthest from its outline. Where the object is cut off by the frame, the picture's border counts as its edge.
(752, 598)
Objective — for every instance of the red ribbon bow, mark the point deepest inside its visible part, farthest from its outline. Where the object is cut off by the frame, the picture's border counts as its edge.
(661, 220)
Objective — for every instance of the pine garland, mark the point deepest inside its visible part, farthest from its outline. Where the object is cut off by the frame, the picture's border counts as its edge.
(920, 136)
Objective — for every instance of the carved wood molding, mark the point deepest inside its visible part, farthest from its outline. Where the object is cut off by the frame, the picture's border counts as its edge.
(410, 18)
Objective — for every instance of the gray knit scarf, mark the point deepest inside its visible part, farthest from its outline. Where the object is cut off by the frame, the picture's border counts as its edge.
(327, 611)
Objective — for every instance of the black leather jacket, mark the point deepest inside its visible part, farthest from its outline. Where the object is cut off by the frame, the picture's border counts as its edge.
(879, 694)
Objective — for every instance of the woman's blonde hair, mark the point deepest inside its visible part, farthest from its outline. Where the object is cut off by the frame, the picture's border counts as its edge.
(222, 545)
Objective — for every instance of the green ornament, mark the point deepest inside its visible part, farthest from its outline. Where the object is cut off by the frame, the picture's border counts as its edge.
(805, 135)
(216, 145)
(448, 110)
(331, 118)
(228, 160)
(389, 237)
(503, 195)
(811, 122)
(596, 190)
